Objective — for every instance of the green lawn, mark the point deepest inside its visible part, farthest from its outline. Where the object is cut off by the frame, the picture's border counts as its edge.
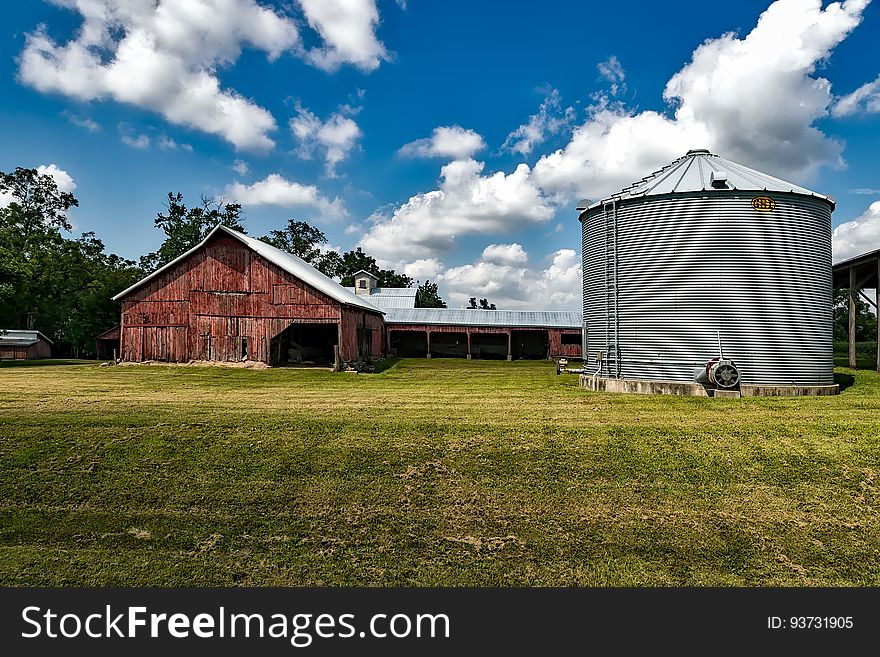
(441, 472)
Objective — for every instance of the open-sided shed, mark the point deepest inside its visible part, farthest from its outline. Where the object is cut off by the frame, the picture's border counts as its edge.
(234, 298)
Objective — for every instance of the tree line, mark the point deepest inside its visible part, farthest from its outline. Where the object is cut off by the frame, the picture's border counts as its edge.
(63, 286)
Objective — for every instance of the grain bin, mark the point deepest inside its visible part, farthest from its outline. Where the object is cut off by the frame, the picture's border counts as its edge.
(710, 275)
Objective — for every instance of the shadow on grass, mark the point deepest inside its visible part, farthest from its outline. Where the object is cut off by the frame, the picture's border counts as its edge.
(844, 380)
(47, 361)
(385, 365)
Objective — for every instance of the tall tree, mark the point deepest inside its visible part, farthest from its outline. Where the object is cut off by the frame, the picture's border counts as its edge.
(427, 296)
(352, 262)
(185, 227)
(299, 238)
(866, 320)
(484, 304)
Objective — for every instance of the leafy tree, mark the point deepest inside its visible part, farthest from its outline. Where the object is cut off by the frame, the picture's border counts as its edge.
(185, 227)
(427, 296)
(62, 287)
(866, 320)
(352, 262)
(484, 304)
(299, 238)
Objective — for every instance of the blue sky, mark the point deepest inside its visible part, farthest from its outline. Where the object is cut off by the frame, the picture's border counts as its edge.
(452, 140)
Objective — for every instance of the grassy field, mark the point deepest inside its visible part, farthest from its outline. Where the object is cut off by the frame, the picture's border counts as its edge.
(430, 473)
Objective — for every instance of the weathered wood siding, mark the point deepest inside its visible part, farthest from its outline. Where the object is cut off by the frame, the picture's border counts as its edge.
(225, 301)
(559, 350)
(40, 349)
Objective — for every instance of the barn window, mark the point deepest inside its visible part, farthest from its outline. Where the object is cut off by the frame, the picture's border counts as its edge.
(362, 283)
(571, 338)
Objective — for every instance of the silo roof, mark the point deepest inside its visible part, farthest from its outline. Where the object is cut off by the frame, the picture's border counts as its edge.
(701, 171)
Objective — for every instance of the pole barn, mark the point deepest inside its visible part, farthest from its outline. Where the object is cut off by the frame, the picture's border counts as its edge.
(234, 298)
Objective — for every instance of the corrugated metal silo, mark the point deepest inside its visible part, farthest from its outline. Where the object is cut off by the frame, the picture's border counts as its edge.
(703, 247)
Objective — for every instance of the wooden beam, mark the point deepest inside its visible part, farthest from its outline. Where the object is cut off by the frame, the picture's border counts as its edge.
(428, 333)
(469, 344)
(877, 308)
(852, 318)
(509, 352)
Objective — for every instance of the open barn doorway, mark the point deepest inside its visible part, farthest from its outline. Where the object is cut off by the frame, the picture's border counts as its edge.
(409, 344)
(489, 345)
(449, 345)
(304, 345)
(530, 345)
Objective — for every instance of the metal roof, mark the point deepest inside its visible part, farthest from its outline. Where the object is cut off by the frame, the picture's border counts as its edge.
(391, 297)
(286, 261)
(20, 337)
(478, 317)
(701, 171)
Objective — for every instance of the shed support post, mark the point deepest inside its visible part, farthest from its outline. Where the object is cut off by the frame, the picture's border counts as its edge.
(469, 344)
(428, 333)
(509, 339)
(852, 317)
(877, 308)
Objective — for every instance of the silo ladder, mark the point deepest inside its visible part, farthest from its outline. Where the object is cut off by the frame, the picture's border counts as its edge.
(612, 321)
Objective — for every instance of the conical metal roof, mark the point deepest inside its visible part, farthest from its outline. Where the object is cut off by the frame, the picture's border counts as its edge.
(701, 171)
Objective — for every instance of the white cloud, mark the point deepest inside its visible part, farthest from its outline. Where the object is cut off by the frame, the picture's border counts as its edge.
(335, 138)
(63, 180)
(351, 229)
(136, 141)
(721, 100)
(277, 190)
(513, 285)
(858, 236)
(451, 142)
(466, 203)
(422, 269)
(81, 121)
(348, 28)
(240, 167)
(166, 143)
(163, 57)
(549, 120)
(60, 176)
(865, 191)
(505, 254)
(864, 99)
(612, 71)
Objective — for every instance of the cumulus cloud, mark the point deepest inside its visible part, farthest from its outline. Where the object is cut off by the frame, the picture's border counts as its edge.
(858, 236)
(550, 120)
(452, 142)
(422, 269)
(277, 190)
(334, 138)
(140, 141)
(166, 143)
(505, 254)
(62, 179)
(348, 28)
(513, 285)
(163, 56)
(720, 100)
(865, 99)
(240, 167)
(466, 203)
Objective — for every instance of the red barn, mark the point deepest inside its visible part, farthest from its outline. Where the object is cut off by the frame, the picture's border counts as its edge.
(235, 298)
(24, 345)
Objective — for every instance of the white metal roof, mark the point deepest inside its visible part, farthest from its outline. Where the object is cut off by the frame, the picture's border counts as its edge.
(391, 297)
(695, 172)
(286, 261)
(20, 337)
(478, 317)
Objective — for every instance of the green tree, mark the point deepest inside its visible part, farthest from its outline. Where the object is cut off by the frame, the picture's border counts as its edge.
(427, 296)
(299, 238)
(185, 227)
(866, 320)
(484, 304)
(352, 262)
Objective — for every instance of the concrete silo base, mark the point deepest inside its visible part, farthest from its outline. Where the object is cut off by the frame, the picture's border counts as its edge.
(598, 384)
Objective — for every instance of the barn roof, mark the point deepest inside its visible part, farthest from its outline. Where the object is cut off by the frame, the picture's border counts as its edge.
(479, 317)
(391, 297)
(20, 338)
(286, 261)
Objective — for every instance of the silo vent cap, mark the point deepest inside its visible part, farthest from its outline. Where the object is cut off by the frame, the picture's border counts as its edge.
(718, 178)
(698, 151)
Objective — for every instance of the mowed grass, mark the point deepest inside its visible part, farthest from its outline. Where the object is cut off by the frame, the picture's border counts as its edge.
(441, 472)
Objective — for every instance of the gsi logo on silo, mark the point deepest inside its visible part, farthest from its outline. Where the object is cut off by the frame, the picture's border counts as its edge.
(763, 204)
